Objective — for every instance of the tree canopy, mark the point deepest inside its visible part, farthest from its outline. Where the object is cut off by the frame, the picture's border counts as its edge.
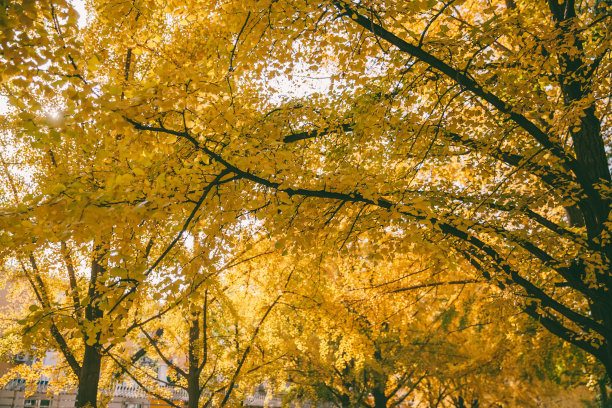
(435, 149)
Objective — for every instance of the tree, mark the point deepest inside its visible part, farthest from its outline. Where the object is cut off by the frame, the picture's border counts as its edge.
(475, 128)
(211, 340)
(381, 344)
(102, 302)
(481, 123)
(83, 224)
(78, 231)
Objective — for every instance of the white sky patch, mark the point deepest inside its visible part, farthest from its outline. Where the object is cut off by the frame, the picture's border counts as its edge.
(79, 6)
(300, 84)
(4, 105)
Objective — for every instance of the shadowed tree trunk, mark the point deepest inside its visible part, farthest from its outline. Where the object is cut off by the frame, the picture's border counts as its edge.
(89, 376)
(195, 369)
(380, 399)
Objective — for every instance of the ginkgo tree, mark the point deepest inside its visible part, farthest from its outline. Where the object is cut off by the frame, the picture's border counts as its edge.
(90, 265)
(83, 225)
(473, 128)
(211, 342)
(378, 334)
(483, 122)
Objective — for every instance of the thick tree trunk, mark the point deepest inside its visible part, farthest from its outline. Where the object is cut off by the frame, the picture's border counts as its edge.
(379, 384)
(591, 167)
(87, 395)
(592, 161)
(380, 399)
(608, 360)
(193, 391)
(604, 400)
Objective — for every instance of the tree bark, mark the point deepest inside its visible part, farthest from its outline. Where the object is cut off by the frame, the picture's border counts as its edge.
(193, 391)
(592, 163)
(87, 395)
(193, 375)
(459, 402)
(380, 399)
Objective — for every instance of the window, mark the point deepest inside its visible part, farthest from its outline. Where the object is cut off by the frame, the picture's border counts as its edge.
(32, 403)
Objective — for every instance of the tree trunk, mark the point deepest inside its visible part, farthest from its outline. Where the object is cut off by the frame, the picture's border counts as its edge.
(608, 362)
(380, 399)
(604, 401)
(87, 395)
(379, 384)
(591, 168)
(193, 391)
(591, 157)
(345, 401)
(193, 374)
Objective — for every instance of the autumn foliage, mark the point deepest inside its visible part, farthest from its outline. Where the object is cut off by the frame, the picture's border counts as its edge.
(377, 201)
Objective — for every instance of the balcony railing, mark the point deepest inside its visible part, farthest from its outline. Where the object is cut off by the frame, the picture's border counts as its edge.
(259, 400)
(21, 385)
(134, 391)
(121, 390)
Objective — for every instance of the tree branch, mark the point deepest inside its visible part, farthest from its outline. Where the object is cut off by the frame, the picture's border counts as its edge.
(462, 79)
(166, 360)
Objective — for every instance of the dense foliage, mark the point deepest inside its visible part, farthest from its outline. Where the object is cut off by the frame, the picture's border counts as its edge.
(423, 185)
